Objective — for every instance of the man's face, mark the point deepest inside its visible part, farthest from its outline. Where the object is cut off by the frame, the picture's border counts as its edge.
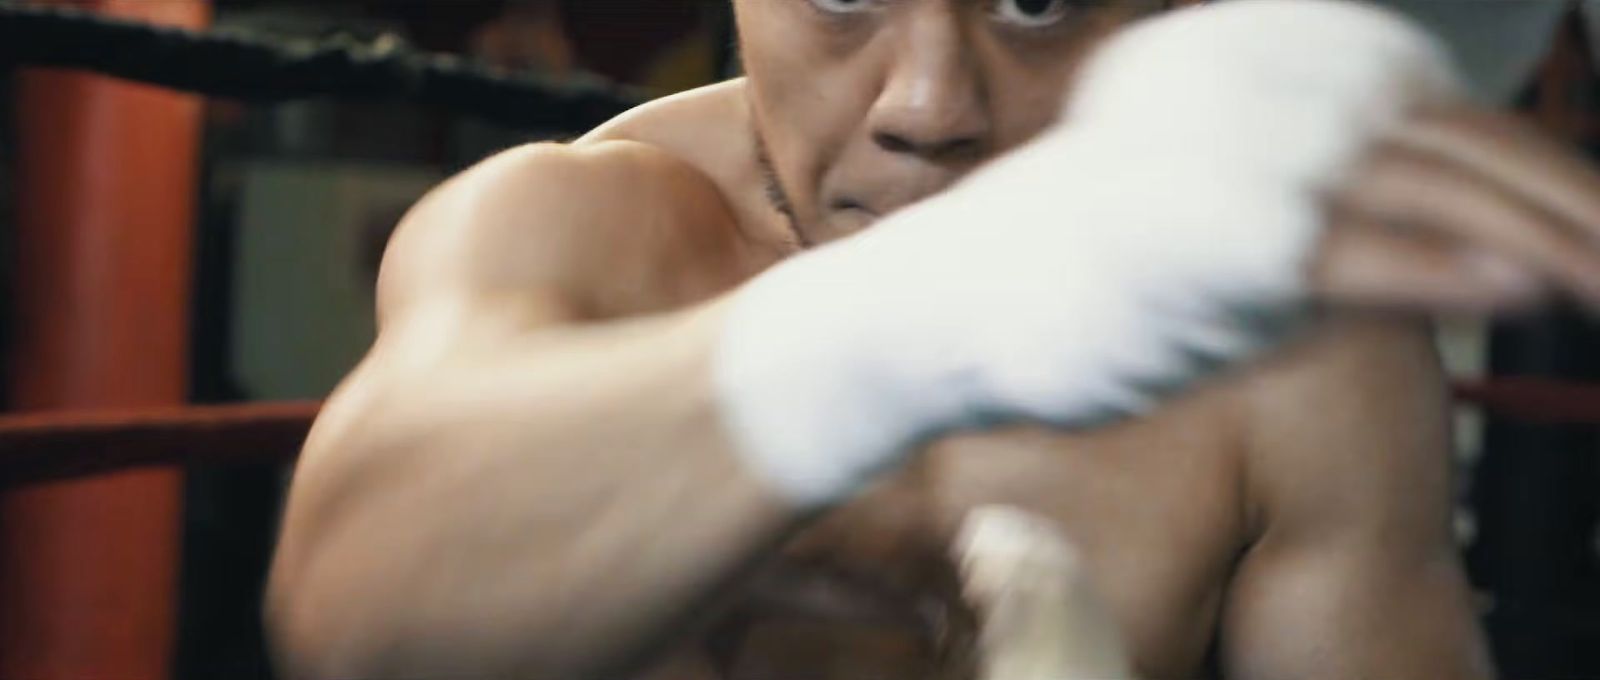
(865, 106)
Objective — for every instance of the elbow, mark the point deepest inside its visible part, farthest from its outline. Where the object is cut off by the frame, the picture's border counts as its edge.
(299, 651)
(332, 609)
(369, 580)
(321, 617)
(315, 637)
(311, 638)
(337, 616)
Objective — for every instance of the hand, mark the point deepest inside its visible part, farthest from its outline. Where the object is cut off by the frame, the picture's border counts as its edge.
(1463, 211)
(1160, 232)
(1216, 173)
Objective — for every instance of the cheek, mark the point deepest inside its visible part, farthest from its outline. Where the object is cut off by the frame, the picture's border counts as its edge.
(1027, 110)
(809, 97)
(1028, 84)
(786, 118)
(1023, 101)
(783, 62)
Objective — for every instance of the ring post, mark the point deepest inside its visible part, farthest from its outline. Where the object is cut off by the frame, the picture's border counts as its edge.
(105, 201)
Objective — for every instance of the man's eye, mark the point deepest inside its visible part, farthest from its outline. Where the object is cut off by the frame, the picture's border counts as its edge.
(1031, 13)
(844, 6)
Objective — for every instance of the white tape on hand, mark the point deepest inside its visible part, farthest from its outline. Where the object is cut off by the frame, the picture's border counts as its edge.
(1040, 617)
(1156, 235)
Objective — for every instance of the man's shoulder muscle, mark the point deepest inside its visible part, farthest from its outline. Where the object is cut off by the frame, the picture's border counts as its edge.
(1349, 428)
(709, 128)
(605, 229)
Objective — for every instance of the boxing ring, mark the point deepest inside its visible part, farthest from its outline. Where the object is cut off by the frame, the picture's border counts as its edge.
(80, 443)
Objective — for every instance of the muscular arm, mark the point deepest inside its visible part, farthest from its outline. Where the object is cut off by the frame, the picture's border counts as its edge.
(1354, 574)
(484, 496)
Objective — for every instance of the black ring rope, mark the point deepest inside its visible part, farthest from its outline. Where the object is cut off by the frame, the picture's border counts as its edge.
(266, 70)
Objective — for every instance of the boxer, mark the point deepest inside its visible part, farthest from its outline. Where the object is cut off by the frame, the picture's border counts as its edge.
(710, 391)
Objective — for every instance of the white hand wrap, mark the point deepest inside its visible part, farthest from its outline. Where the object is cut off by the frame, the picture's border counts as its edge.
(1158, 234)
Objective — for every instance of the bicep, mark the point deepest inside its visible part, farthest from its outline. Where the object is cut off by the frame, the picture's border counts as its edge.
(1354, 572)
(1346, 607)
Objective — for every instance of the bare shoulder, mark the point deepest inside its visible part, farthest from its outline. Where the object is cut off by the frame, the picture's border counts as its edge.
(710, 128)
(602, 228)
(684, 123)
(1349, 425)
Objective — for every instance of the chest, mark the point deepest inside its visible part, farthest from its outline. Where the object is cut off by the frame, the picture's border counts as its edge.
(1153, 508)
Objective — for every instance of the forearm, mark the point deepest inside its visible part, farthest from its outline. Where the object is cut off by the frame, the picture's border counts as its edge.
(541, 509)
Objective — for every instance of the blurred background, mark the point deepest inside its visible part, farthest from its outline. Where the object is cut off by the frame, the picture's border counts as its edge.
(294, 203)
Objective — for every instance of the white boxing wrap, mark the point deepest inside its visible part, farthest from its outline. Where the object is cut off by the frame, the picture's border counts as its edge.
(1040, 617)
(1159, 233)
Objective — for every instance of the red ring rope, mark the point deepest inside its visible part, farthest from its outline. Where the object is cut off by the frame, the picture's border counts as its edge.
(1541, 401)
(46, 446)
(56, 445)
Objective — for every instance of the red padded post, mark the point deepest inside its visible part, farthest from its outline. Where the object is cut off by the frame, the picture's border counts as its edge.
(106, 182)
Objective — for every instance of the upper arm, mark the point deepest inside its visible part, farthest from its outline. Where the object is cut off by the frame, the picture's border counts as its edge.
(530, 240)
(1354, 572)
(469, 376)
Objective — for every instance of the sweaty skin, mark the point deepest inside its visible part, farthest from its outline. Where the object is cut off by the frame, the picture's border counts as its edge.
(527, 477)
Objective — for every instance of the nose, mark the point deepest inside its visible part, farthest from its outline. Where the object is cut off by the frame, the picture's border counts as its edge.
(933, 104)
